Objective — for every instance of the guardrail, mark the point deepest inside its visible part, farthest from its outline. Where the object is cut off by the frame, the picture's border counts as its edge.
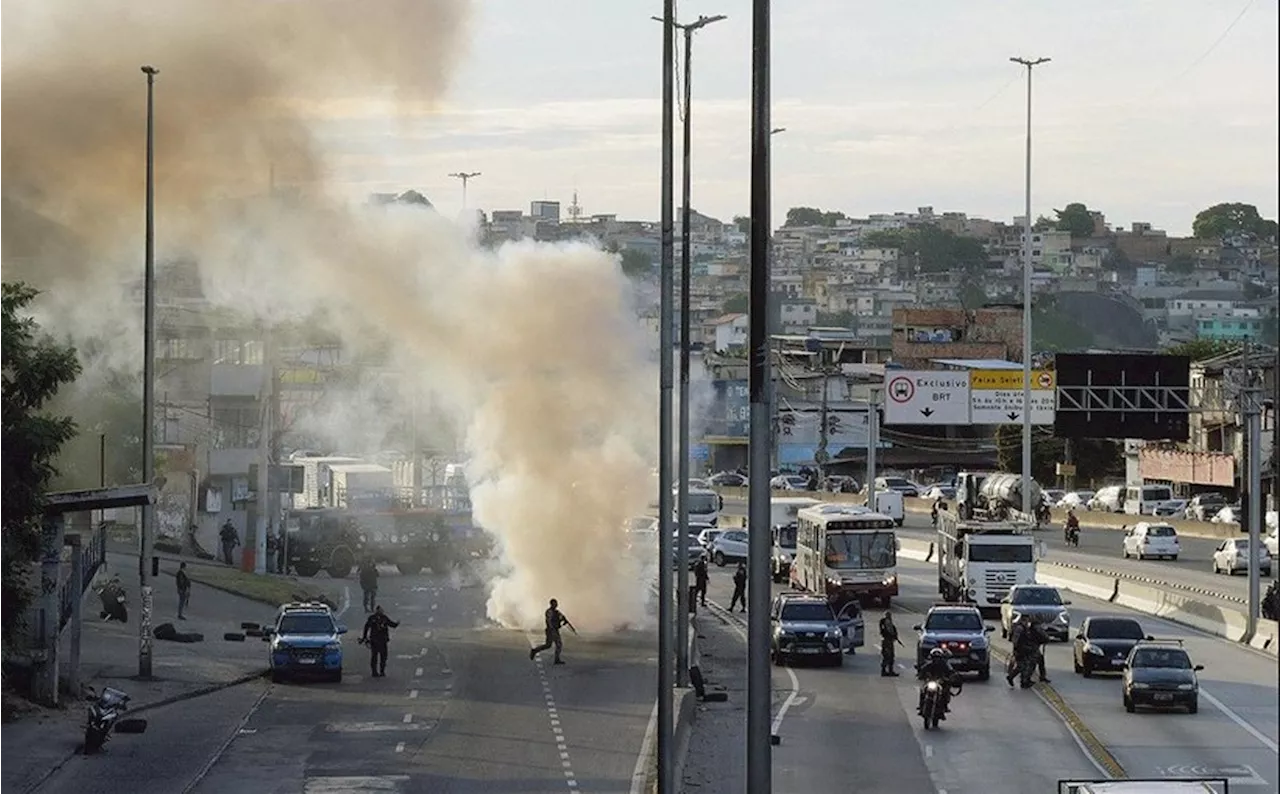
(93, 555)
(1218, 620)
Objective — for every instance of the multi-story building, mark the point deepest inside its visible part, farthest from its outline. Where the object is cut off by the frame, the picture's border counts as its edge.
(920, 335)
(545, 211)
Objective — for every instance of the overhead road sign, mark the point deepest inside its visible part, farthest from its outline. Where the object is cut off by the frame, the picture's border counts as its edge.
(1123, 395)
(926, 397)
(997, 398)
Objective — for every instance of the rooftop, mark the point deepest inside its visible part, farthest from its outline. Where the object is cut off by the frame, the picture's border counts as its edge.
(977, 363)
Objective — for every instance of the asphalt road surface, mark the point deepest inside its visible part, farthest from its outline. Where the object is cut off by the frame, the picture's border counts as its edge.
(849, 729)
(462, 709)
(1100, 548)
(1235, 733)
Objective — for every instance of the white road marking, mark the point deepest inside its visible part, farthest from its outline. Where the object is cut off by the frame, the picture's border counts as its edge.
(413, 693)
(217, 756)
(641, 773)
(422, 652)
(792, 696)
(408, 718)
(372, 727)
(553, 716)
(418, 673)
(399, 747)
(433, 607)
(928, 751)
(354, 785)
(431, 619)
(1238, 720)
(346, 600)
(426, 634)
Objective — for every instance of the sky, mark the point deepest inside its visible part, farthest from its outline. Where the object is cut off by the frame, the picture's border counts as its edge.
(1150, 110)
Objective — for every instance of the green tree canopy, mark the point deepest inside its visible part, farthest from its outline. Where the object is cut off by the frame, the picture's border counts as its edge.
(1221, 220)
(1182, 264)
(1075, 218)
(34, 368)
(931, 249)
(636, 263)
(1095, 459)
(1201, 349)
(743, 223)
(809, 216)
(736, 304)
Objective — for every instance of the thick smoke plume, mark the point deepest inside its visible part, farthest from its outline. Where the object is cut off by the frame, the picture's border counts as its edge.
(533, 349)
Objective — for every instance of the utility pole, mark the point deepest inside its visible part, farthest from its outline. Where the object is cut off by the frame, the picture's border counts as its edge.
(759, 684)
(148, 388)
(275, 450)
(267, 428)
(1027, 507)
(667, 784)
(465, 176)
(873, 442)
(820, 456)
(682, 497)
(1250, 401)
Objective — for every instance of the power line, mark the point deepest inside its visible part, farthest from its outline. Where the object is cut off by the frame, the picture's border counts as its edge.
(1216, 42)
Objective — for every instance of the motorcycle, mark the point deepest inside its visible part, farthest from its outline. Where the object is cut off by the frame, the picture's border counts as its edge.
(104, 712)
(932, 707)
(1071, 535)
(114, 602)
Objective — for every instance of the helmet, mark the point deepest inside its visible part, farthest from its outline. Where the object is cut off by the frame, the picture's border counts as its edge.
(937, 653)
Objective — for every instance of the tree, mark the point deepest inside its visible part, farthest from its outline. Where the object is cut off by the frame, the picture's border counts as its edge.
(1095, 459)
(1075, 218)
(743, 223)
(1201, 349)
(884, 238)
(1043, 224)
(736, 304)
(1182, 264)
(636, 263)
(1221, 220)
(34, 368)
(809, 216)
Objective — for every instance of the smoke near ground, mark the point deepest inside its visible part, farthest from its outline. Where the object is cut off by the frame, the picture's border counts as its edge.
(532, 349)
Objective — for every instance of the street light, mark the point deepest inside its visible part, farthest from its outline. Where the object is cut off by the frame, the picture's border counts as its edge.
(1027, 507)
(148, 384)
(465, 176)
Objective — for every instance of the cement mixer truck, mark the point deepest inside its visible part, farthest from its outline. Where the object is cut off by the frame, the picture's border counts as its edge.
(995, 497)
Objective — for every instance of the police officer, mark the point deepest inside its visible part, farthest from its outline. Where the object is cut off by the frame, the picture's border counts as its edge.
(369, 582)
(554, 620)
(1028, 641)
(230, 539)
(700, 577)
(377, 634)
(739, 587)
(888, 638)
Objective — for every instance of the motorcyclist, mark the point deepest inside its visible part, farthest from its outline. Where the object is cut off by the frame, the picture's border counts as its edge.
(1043, 512)
(1071, 532)
(1271, 603)
(938, 668)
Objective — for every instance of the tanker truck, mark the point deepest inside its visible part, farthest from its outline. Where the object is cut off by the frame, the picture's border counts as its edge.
(995, 497)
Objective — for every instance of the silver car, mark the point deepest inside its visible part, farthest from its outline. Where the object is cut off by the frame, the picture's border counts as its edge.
(1043, 604)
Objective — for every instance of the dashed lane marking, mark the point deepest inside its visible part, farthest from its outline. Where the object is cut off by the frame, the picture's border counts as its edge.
(553, 717)
(399, 747)
(413, 693)
(408, 718)
(417, 673)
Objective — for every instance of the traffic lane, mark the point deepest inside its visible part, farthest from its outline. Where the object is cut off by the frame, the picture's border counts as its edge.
(360, 733)
(851, 725)
(180, 739)
(1235, 728)
(1100, 548)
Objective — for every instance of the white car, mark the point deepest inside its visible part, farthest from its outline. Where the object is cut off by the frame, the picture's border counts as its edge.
(695, 484)
(1149, 539)
(947, 493)
(1076, 499)
(789, 482)
(1053, 495)
(707, 537)
(729, 546)
(1107, 500)
(1227, 515)
(1170, 508)
(1232, 557)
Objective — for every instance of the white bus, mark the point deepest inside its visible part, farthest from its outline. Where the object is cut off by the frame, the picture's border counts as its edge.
(846, 552)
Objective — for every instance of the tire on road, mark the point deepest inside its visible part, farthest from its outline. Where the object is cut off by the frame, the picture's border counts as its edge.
(233, 636)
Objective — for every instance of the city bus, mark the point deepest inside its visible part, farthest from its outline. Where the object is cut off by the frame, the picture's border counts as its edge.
(846, 552)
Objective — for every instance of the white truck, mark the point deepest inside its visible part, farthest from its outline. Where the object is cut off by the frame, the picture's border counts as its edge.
(782, 531)
(315, 478)
(359, 485)
(980, 561)
(996, 497)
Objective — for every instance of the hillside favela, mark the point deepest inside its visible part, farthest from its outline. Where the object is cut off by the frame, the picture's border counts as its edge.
(460, 396)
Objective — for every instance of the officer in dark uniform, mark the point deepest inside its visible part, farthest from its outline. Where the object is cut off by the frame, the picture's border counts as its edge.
(739, 587)
(700, 577)
(377, 634)
(554, 620)
(888, 638)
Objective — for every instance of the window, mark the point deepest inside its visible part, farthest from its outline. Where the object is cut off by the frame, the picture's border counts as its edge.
(1114, 630)
(235, 426)
(305, 624)
(178, 348)
(1152, 657)
(953, 621)
(984, 552)
(869, 550)
(807, 613)
(233, 351)
(1038, 596)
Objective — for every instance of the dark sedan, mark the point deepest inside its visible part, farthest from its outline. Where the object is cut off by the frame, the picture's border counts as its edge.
(1160, 675)
(1103, 643)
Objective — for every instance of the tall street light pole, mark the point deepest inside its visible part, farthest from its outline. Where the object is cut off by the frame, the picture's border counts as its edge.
(465, 176)
(1027, 507)
(775, 324)
(667, 784)
(682, 497)
(759, 697)
(148, 385)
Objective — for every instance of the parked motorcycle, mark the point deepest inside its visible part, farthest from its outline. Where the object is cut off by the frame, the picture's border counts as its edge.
(104, 713)
(114, 601)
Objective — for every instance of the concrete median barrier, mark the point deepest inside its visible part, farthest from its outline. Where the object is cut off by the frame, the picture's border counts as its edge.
(1086, 583)
(1221, 621)
(1267, 637)
(921, 550)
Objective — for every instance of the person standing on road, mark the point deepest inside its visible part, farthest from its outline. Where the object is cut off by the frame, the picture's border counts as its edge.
(1028, 641)
(369, 582)
(700, 580)
(554, 620)
(888, 639)
(230, 539)
(739, 587)
(377, 633)
(272, 549)
(184, 590)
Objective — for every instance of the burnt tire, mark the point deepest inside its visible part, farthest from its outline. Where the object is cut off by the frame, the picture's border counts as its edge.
(306, 569)
(249, 625)
(408, 568)
(233, 636)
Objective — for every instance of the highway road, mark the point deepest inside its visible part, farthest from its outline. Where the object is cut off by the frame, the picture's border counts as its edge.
(1235, 733)
(848, 728)
(462, 709)
(1100, 548)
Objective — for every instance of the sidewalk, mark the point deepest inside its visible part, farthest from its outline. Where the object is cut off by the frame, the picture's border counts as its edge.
(45, 738)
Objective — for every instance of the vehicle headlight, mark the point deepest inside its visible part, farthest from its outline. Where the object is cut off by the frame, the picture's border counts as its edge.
(333, 646)
(1095, 650)
(1186, 687)
(889, 581)
(1064, 617)
(833, 633)
(1140, 685)
(932, 686)
(278, 646)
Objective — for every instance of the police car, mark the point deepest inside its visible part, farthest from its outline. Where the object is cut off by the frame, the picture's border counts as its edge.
(957, 628)
(305, 641)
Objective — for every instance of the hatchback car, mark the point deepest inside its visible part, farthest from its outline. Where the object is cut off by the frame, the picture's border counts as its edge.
(727, 479)
(1159, 674)
(1146, 539)
(1103, 643)
(804, 626)
(729, 546)
(707, 537)
(1077, 499)
(959, 629)
(1232, 557)
(305, 641)
(1043, 604)
(902, 485)
(789, 482)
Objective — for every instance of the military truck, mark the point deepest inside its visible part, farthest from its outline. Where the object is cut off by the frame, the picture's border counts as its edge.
(335, 539)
